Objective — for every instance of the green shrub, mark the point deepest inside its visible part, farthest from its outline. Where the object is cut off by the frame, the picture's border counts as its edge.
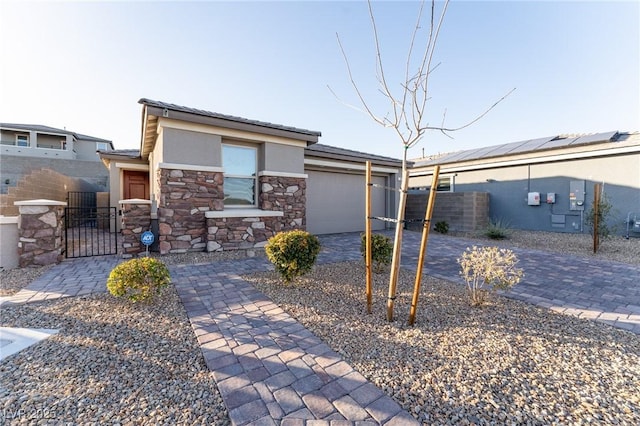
(138, 279)
(293, 253)
(605, 210)
(441, 227)
(381, 251)
(498, 229)
(491, 267)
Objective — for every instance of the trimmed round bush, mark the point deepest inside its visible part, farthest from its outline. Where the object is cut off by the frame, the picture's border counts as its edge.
(381, 251)
(138, 279)
(293, 253)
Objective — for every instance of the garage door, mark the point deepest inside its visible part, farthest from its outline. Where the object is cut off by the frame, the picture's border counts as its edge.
(335, 202)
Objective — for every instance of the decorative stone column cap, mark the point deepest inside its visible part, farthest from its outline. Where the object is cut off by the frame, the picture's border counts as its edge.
(39, 203)
(135, 201)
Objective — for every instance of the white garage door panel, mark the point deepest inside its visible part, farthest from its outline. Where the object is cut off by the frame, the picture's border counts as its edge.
(335, 202)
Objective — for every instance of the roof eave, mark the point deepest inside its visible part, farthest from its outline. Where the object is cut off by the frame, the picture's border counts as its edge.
(157, 112)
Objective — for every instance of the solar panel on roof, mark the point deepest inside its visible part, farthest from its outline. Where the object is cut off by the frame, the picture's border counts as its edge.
(450, 157)
(531, 145)
(556, 143)
(470, 154)
(507, 147)
(481, 152)
(598, 137)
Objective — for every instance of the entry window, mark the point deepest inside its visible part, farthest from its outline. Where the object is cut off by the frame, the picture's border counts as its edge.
(240, 175)
(22, 140)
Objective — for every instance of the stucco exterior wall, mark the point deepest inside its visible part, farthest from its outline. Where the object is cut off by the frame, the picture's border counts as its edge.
(86, 150)
(189, 147)
(509, 187)
(281, 158)
(9, 242)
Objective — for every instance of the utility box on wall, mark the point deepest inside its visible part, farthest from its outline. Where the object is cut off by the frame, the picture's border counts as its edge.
(533, 199)
(576, 194)
(551, 197)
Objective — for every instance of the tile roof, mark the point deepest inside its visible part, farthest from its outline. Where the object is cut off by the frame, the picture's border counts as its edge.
(335, 151)
(129, 153)
(174, 107)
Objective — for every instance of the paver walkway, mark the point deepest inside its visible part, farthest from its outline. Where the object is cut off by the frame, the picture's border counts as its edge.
(271, 370)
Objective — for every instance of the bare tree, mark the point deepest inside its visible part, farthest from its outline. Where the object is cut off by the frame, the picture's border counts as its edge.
(409, 102)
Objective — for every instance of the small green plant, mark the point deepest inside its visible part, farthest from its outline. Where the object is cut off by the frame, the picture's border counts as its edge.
(498, 229)
(138, 279)
(605, 209)
(442, 227)
(381, 251)
(482, 267)
(293, 253)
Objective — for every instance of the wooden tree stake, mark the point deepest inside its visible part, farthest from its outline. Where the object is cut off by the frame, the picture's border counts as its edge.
(423, 244)
(368, 235)
(596, 216)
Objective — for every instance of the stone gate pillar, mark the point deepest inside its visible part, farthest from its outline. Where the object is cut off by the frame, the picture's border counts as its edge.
(136, 219)
(40, 232)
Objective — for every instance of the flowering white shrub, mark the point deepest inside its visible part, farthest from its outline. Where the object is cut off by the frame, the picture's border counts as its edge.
(483, 267)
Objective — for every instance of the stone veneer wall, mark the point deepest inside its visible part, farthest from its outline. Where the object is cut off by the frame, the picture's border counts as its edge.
(239, 233)
(41, 233)
(285, 194)
(282, 194)
(136, 219)
(185, 195)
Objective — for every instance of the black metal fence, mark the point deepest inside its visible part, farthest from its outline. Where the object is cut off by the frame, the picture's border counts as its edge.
(81, 199)
(89, 230)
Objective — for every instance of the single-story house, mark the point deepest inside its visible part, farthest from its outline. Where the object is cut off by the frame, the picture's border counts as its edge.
(544, 184)
(218, 182)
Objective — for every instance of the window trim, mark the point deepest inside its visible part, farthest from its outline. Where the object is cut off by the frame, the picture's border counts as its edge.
(254, 177)
(27, 140)
(452, 183)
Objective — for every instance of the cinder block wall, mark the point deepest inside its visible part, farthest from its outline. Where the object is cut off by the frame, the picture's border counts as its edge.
(14, 168)
(463, 211)
(41, 184)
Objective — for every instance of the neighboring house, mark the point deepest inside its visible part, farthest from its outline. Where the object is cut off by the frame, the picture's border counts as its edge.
(25, 148)
(544, 184)
(219, 182)
(31, 140)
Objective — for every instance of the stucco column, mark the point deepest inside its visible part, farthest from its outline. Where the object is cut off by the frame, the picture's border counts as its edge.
(40, 232)
(136, 219)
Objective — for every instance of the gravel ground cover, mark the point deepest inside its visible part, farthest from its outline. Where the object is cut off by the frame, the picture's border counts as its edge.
(615, 248)
(112, 362)
(506, 363)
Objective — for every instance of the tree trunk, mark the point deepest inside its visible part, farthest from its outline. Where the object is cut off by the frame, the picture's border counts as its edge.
(397, 243)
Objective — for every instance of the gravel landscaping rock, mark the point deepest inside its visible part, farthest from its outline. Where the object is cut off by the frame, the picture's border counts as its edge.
(112, 362)
(505, 363)
(615, 248)
(115, 362)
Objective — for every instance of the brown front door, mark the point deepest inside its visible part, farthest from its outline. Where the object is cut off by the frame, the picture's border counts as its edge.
(136, 185)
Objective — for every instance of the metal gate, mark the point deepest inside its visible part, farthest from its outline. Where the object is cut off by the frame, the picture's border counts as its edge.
(89, 230)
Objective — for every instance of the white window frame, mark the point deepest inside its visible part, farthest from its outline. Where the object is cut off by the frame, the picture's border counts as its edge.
(254, 177)
(26, 139)
(451, 178)
(102, 144)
